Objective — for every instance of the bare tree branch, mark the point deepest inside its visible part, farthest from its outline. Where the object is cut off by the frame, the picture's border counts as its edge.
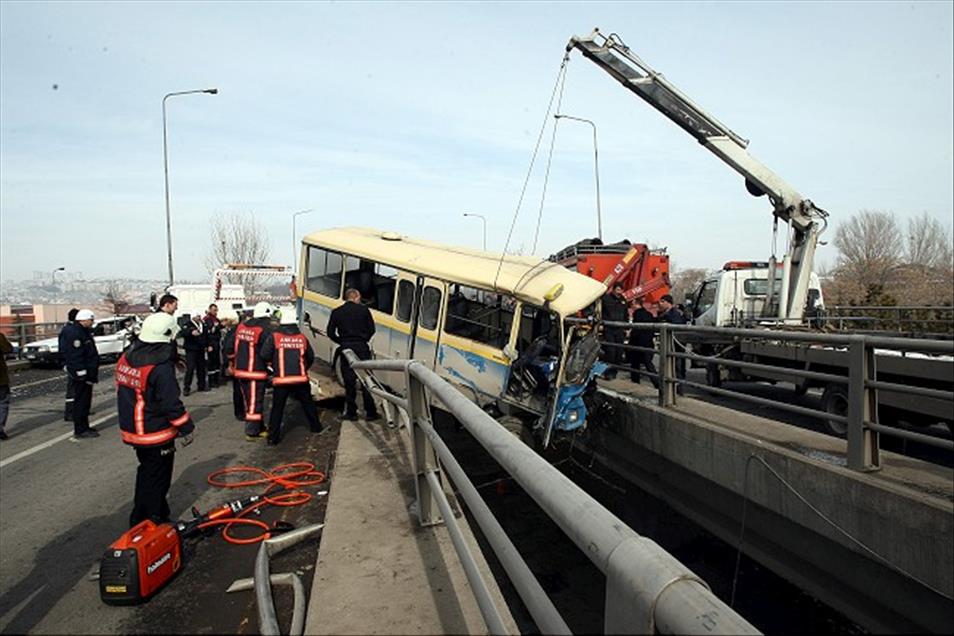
(238, 238)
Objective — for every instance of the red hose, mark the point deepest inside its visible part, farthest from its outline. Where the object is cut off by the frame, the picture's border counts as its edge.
(289, 477)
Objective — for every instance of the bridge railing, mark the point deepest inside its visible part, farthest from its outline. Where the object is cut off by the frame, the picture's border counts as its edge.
(860, 417)
(23, 333)
(647, 590)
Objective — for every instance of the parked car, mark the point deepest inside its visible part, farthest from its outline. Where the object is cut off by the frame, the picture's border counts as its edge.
(112, 336)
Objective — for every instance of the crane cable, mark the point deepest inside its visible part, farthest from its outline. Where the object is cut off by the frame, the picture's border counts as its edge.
(546, 118)
(546, 176)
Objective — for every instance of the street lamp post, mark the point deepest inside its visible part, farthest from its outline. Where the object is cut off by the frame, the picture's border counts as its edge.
(482, 218)
(596, 166)
(53, 275)
(295, 235)
(165, 163)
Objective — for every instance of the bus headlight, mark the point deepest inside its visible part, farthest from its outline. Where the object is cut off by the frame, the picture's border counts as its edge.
(573, 416)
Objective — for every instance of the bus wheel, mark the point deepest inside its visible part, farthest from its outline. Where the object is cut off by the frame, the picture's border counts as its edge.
(835, 401)
(713, 375)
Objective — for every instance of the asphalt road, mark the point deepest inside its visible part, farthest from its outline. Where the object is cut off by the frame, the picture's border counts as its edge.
(63, 502)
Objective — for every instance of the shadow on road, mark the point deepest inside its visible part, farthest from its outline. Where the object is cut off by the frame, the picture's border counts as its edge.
(69, 557)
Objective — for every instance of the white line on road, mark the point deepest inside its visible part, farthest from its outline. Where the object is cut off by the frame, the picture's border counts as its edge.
(59, 377)
(51, 442)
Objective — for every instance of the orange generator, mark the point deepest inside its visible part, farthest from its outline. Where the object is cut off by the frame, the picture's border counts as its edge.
(643, 273)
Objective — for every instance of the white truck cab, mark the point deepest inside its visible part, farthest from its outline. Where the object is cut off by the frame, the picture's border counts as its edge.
(735, 295)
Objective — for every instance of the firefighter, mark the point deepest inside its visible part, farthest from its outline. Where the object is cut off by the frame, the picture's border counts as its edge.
(151, 415)
(290, 355)
(250, 367)
(213, 331)
(228, 350)
(81, 360)
(195, 341)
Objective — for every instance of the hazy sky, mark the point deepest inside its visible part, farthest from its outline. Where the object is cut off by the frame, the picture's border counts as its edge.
(403, 116)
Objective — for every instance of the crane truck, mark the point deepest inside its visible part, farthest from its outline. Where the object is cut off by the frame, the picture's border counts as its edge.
(781, 293)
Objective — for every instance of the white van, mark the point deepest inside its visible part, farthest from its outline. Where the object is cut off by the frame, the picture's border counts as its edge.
(735, 296)
(112, 336)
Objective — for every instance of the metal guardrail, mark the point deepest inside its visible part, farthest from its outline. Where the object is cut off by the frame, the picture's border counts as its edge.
(647, 590)
(861, 381)
(27, 332)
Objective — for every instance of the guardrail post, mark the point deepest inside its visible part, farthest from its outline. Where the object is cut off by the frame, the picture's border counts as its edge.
(423, 457)
(667, 367)
(864, 453)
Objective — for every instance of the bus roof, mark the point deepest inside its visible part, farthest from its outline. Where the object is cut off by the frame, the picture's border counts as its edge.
(525, 277)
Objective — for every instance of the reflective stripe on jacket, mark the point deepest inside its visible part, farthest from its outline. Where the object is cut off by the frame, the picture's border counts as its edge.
(147, 397)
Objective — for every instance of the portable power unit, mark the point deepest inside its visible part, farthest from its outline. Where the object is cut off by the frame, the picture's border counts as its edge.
(139, 563)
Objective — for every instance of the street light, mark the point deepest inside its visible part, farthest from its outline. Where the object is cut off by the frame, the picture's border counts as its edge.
(295, 234)
(53, 275)
(596, 165)
(165, 162)
(481, 217)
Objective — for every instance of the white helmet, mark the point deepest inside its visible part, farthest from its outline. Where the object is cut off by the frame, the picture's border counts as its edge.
(197, 313)
(262, 310)
(287, 316)
(158, 327)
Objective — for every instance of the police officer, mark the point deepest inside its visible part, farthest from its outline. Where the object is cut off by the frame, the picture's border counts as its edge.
(351, 326)
(290, 355)
(195, 342)
(68, 404)
(213, 333)
(151, 415)
(82, 366)
(251, 369)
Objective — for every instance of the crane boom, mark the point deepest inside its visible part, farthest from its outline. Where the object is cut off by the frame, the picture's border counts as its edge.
(805, 219)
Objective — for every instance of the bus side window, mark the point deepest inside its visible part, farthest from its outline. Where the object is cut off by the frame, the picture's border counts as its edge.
(430, 307)
(405, 300)
(324, 272)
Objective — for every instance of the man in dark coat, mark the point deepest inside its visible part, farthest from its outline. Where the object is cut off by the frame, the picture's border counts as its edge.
(669, 313)
(213, 334)
(641, 338)
(351, 326)
(68, 405)
(195, 342)
(81, 360)
(614, 310)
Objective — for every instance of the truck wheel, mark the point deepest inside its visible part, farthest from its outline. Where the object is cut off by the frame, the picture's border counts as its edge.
(835, 401)
(713, 375)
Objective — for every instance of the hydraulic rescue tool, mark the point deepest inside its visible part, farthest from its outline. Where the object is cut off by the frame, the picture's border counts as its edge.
(148, 555)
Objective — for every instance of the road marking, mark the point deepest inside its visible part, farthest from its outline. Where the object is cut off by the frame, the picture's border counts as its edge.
(28, 384)
(51, 442)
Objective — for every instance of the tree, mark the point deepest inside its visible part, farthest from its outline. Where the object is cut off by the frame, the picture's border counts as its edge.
(684, 281)
(239, 238)
(115, 299)
(870, 247)
(929, 243)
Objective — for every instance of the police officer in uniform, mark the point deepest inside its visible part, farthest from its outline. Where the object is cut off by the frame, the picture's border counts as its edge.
(213, 333)
(351, 326)
(151, 415)
(68, 404)
(82, 366)
(195, 342)
(290, 355)
(251, 369)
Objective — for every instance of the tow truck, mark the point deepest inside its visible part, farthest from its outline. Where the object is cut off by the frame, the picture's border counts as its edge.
(786, 290)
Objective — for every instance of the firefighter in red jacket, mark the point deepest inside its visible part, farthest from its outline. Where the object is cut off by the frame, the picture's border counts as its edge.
(251, 369)
(290, 355)
(151, 415)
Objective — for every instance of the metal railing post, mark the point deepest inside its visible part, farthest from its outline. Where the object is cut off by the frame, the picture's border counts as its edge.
(667, 367)
(423, 457)
(863, 451)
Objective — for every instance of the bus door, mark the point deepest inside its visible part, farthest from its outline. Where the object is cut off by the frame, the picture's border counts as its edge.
(426, 320)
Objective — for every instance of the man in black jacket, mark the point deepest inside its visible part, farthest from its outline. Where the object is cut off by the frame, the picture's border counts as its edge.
(669, 313)
(351, 326)
(213, 333)
(151, 415)
(641, 338)
(290, 355)
(81, 360)
(195, 341)
(68, 405)
(614, 310)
